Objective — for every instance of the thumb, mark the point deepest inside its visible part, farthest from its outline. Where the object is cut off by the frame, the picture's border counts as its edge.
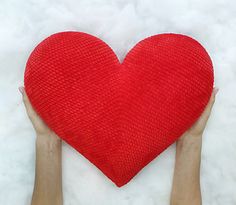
(28, 106)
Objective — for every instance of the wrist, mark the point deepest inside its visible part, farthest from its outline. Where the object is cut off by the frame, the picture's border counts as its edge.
(188, 139)
(190, 136)
(47, 137)
(48, 147)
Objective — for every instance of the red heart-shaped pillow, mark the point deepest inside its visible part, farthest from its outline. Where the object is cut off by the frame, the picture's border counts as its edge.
(120, 116)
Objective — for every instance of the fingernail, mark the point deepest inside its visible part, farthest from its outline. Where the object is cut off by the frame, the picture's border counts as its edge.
(21, 89)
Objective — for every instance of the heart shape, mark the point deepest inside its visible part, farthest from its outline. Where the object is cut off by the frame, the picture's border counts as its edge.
(120, 116)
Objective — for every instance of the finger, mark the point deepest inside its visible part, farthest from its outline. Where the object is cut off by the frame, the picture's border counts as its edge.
(210, 104)
(28, 106)
(25, 98)
(212, 100)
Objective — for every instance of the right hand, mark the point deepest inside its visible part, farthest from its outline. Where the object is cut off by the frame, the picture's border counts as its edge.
(39, 125)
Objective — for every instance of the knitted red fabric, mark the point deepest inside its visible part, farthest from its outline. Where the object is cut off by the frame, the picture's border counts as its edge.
(120, 116)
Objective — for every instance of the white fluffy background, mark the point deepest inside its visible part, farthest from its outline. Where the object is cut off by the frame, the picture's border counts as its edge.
(121, 24)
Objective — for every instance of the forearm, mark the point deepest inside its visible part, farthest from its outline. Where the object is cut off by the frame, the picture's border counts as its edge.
(186, 183)
(48, 179)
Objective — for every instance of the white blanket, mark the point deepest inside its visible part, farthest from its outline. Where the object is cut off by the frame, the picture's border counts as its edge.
(121, 24)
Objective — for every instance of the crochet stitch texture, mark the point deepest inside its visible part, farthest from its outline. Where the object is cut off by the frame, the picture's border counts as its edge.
(120, 116)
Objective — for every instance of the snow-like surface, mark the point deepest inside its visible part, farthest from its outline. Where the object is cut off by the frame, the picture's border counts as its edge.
(121, 24)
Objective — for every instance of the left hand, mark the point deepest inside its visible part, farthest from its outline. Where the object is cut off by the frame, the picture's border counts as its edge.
(198, 127)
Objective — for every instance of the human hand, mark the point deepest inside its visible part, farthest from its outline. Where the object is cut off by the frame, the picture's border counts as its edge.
(186, 182)
(39, 125)
(198, 127)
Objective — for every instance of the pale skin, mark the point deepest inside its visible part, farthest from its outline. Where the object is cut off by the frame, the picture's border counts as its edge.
(186, 187)
(48, 172)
